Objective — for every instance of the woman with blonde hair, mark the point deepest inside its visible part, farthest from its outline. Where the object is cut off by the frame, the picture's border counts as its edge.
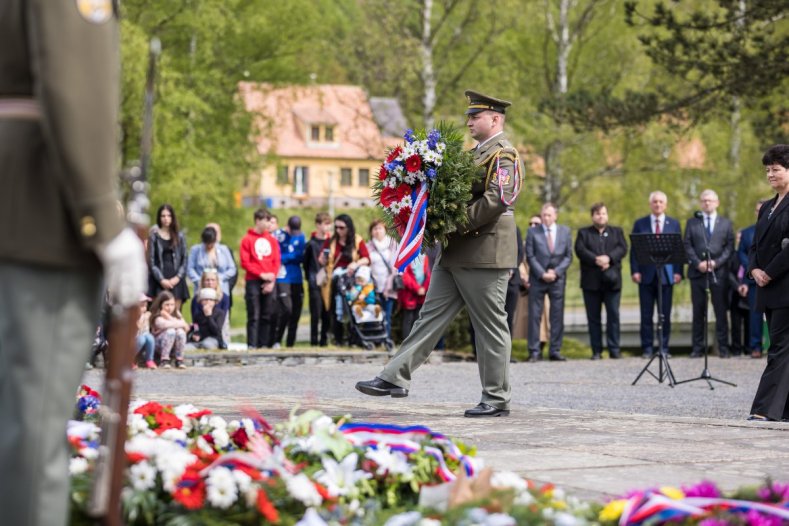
(209, 279)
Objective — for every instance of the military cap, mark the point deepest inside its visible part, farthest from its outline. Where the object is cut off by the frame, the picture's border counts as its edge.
(478, 102)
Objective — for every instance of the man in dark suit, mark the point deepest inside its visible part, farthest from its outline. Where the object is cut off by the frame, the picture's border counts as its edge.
(646, 275)
(548, 253)
(768, 264)
(754, 339)
(709, 243)
(600, 249)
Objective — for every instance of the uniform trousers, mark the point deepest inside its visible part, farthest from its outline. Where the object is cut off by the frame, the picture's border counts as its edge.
(482, 291)
(47, 320)
(772, 396)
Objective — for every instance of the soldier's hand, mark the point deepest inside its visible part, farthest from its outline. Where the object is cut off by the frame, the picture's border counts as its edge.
(125, 271)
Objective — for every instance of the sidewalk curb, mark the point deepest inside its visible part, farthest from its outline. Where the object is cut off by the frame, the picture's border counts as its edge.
(287, 358)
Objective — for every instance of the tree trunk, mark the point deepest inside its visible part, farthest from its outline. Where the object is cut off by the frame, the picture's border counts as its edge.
(563, 46)
(428, 74)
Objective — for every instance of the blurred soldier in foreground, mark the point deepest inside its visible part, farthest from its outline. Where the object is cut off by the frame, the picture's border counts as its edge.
(58, 166)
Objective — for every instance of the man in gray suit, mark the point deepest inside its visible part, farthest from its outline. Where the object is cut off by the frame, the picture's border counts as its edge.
(549, 254)
(709, 243)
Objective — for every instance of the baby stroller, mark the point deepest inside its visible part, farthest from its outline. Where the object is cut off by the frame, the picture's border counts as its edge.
(365, 329)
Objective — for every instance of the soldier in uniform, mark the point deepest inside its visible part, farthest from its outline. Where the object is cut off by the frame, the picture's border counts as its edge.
(472, 270)
(58, 167)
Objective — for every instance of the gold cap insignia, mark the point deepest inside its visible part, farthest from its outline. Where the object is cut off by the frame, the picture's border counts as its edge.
(95, 11)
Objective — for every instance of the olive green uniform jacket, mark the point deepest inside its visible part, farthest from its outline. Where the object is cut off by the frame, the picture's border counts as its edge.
(58, 170)
(489, 239)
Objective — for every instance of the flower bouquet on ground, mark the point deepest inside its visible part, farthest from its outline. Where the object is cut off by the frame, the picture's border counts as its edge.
(423, 187)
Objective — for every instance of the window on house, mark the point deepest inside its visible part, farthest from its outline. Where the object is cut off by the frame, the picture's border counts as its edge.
(364, 177)
(315, 133)
(300, 180)
(282, 174)
(329, 133)
(346, 177)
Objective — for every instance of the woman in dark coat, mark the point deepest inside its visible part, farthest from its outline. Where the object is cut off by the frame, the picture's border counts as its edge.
(769, 265)
(167, 257)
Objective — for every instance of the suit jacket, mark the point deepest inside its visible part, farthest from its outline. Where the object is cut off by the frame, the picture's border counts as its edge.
(59, 169)
(746, 240)
(591, 243)
(649, 272)
(540, 259)
(769, 254)
(721, 246)
(488, 240)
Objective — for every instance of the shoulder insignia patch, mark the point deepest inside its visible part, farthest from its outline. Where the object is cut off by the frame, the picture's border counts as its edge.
(504, 176)
(95, 11)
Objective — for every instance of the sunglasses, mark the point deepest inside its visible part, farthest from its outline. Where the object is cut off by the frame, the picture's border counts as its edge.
(340, 227)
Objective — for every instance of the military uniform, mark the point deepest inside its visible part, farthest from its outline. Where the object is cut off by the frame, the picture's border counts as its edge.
(473, 270)
(58, 160)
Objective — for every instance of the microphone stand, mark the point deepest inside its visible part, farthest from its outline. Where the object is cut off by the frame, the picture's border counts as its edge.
(705, 374)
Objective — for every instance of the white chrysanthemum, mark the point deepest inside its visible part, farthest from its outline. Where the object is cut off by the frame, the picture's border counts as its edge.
(395, 207)
(137, 424)
(340, 478)
(398, 172)
(142, 476)
(77, 466)
(89, 453)
(524, 498)
(174, 435)
(249, 426)
(243, 481)
(508, 479)
(221, 490)
(203, 444)
(217, 422)
(409, 179)
(311, 518)
(182, 411)
(406, 202)
(221, 438)
(394, 462)
(301, 488)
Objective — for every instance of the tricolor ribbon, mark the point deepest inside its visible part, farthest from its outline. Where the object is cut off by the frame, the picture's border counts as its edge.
(516, 190)
(411, 242)
(658, 508)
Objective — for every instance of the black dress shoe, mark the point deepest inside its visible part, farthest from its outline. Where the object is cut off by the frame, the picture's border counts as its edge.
(534, 357)
(647, 355)
(378, 387)
(614, 355)
(557, 358)
(596, 356)
(484, 409)
(695, 354)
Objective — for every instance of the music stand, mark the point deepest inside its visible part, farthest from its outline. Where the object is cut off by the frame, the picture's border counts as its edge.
(659, 250)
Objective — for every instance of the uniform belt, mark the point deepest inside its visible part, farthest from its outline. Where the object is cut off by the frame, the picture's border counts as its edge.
(20, 108)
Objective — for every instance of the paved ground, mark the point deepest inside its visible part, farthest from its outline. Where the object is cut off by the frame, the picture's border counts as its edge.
(580, 424)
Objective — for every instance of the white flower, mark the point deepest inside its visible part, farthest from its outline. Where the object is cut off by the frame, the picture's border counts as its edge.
(217, 422)
(181, 412)
(77, 466)
(221, 489)
(429, 522)
(565, 519)
(142, 476)
(406, 202)
(203, 444)
(311, 518)
(324, 423)
(89, 453)
(524, 498)
(508, 479)
(243, 481)
(174, 435)
(137, 424)
(409, 518)
(394, 462)
(341, 478)
(221, 438)
(302, 489)
(500, 519)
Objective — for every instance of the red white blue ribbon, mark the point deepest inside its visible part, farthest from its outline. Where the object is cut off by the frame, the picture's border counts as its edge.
(411, 243)
(657, 508)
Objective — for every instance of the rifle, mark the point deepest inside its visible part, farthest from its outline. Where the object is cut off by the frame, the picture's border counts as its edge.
(105, 497)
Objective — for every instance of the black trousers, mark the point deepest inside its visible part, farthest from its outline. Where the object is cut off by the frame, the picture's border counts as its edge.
(290, 299)
(594, 301)
(698, 297)
(260, 314)
(740, 325)
(648, 299)
(772, 396)
(511, 302)
(409, 318)
(319, 318)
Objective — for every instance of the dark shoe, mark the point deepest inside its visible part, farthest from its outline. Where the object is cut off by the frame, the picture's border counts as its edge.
(513, 360)
(756, 354)
(647, 355)
(378, 387)
(484, 409)
(666, 354)
(695, 354)
(596, 356)
(760, 418)
(725, 354)
(614, 355)
(557, 358)
(534, 357)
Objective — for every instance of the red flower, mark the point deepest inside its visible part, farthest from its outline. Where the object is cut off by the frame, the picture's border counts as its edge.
(266, 508)
(382, 173)
(403, 215)
(149, 409)
(393, 154)
(322, 491)
(413, 163)
(165, 421)
(400, 225)
(388, 196)
(240, 438)
(191, 494)
(87, 391)
(198, 414)
(134, 458)
(403, 190)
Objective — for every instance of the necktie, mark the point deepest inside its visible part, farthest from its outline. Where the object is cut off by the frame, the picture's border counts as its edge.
(550, 241)
(657, 226)
(709, 227)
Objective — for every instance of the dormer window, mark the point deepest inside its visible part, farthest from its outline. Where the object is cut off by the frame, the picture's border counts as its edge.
(315, 133)
(329, 134)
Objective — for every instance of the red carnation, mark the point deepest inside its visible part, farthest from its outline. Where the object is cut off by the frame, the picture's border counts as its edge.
(403, 215)
(382, 173)
(196, 415)
(403, 190)
(166, 421)
(413, 163)
(240, 438)
(149, 409)
(135, 457)
(394, 154)
(388, 196)
(266, 508)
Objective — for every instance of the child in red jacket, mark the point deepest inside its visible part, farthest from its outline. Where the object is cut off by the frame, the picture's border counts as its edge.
(260, 258)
